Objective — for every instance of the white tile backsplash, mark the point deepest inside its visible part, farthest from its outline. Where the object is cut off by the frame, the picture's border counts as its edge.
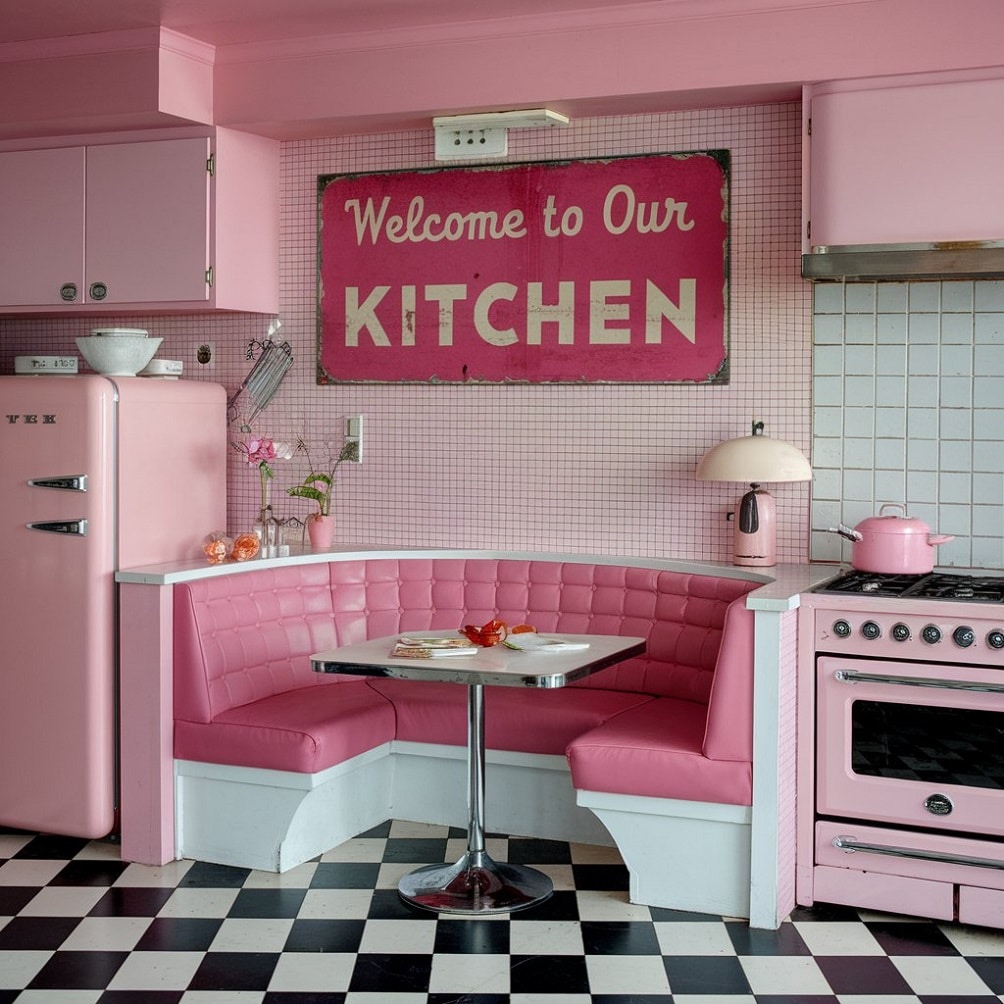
(916, 415)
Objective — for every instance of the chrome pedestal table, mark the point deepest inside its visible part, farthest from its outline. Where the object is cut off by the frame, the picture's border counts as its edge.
(476, 883)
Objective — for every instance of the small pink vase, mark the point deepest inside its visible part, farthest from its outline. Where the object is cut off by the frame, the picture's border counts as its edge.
(320, 530)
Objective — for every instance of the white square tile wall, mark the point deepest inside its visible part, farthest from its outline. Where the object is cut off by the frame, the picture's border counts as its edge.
(908, 408)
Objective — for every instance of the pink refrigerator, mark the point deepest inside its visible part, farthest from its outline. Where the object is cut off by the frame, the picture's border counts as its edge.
(96, 474)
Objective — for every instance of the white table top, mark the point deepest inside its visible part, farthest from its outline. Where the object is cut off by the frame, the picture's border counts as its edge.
(496, 666)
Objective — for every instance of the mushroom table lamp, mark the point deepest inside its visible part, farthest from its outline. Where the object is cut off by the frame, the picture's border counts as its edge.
(754, 459)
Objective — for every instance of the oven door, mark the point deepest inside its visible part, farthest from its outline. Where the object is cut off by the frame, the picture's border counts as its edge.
(916, 744)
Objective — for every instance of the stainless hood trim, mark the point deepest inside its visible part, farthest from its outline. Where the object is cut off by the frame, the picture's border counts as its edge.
(945, 260)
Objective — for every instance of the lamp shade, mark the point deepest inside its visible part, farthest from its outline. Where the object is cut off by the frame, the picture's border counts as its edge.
(754, 459)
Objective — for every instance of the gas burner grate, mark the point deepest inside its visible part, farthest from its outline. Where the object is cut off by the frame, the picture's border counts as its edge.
(931, 586)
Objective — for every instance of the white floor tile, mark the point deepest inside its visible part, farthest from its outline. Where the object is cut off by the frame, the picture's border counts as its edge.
(59, 997)
(156, 971)
(313, 972)
(938, 975)
(358, 849)
(296, 878)
(602, 905)
(974, 940)
(199, 903)
(398, 936)
(469, 974)
(252, 934)
(627, 974)
(322, 904)
(29, 871)
(784, 974)
(697, 938)
(64, 901)
(109, 934)
(19, 968)
(160, 876)
(836, 938)
(542, 937)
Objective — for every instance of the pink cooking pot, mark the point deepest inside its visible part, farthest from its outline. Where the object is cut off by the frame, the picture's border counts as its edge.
(895, 545)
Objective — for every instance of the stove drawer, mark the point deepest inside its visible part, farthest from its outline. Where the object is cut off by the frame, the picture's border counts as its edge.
(888, 893)
(930, 856)
(981, 906)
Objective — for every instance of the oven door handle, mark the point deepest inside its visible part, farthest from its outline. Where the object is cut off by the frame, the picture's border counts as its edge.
(853, 676)
(849, 844)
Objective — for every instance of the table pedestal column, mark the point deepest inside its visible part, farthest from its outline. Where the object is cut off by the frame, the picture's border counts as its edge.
(476, 883)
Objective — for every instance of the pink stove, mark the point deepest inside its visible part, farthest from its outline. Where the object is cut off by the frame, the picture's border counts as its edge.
(901, 745)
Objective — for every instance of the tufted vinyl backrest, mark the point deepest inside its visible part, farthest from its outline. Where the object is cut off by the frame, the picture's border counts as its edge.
(239, 638)
(681, 615)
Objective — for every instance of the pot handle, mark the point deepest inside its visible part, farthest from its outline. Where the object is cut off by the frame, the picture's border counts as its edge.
(939, 538)
(893, 505)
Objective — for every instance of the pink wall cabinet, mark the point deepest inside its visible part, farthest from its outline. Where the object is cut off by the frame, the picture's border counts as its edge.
(908, 160)
(177, 224)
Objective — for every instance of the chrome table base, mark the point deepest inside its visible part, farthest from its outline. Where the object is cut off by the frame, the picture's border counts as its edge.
(475, 884)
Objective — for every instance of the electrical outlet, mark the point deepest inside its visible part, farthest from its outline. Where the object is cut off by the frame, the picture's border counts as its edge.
(354, 434)
(205, 354)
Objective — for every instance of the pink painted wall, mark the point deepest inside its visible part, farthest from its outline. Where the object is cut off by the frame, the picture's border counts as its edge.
(606, 469)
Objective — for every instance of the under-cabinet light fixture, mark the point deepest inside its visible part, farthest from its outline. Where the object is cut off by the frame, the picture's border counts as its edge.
(486, 134)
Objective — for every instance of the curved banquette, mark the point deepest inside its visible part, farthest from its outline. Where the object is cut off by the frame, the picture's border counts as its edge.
(276, 764)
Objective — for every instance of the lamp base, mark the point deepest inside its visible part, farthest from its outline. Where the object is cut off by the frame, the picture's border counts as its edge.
(754, 536)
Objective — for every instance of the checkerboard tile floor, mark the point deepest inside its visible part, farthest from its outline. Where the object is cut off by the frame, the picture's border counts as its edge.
(79, 926)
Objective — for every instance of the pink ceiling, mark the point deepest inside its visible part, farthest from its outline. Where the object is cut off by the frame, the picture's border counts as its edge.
(225, 22)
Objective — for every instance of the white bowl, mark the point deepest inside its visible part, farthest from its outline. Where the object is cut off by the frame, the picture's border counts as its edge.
(125, 355)
(119, 332)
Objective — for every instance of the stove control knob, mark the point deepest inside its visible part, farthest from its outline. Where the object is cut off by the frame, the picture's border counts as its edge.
(938, 805)
(871, 630)
(931, 634)
(963, 636)
(841, 629)
(995, 638)
(900, 632)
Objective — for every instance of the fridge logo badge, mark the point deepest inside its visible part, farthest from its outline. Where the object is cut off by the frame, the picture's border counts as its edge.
(31, 419)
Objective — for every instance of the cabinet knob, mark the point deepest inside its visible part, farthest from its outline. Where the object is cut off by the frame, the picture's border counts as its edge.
(98, 291)
(68, 292)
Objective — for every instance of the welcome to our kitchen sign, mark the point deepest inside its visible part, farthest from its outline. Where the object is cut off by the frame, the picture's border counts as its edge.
(584, 271)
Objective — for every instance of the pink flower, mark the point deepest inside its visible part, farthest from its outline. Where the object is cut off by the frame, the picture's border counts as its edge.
(258, 451)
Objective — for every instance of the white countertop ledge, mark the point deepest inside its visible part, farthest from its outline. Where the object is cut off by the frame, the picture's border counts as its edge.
(781, 587)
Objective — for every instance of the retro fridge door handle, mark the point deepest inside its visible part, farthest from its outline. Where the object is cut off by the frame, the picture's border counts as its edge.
(66, 482)
(73, 527)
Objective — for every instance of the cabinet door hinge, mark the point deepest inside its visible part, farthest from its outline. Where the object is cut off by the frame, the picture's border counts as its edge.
(210, 277)
(211, 165)
(808, 127)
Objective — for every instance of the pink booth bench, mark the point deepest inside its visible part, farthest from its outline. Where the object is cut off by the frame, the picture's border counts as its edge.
(276, 764)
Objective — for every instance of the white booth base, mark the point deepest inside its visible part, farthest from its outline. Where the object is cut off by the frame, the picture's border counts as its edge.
(680, 855)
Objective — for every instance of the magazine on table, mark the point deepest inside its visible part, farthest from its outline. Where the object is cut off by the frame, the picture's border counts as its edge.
(419, 647)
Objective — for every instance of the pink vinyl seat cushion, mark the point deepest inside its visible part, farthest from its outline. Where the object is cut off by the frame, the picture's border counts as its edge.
(305, 730)
(541, 721)
(657, 750)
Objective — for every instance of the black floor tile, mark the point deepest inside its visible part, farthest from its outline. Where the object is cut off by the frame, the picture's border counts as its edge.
(85, 872)
(606, 877)
(339, 936)
(234, 971)
(345, 875)
(267, 903)
(990, 969)
(388, 974)
(548, 974)
(619, 938)
(862, 974)
(78, 971)
(706, 974)
(784, 941)
(910, 938)
(204, 875)
(415, 850)
(131, 901)
(462, 937)
(36, 934)
(179, 934)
